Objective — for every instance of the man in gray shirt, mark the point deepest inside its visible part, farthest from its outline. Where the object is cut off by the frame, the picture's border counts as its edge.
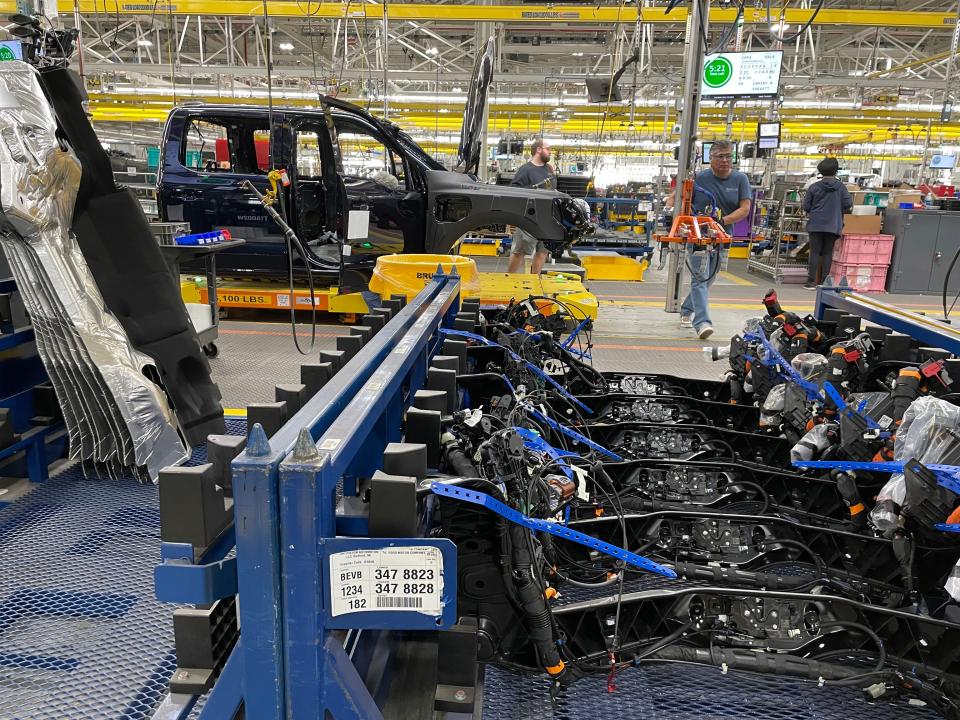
(718, 188)
(538, 173)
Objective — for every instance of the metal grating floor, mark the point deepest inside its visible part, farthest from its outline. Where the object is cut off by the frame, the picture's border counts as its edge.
(81, 635)
(682, 692)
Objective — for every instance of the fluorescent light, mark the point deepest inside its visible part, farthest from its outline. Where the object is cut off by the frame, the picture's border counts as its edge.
(779, 27)
(143, 42)
(286, 46)
(432, 51)
(578, 54)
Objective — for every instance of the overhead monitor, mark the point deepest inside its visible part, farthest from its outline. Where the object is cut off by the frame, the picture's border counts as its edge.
(768, 143)
(768, 129)
(11, 50)
(708, 146)
(599, 90)
(943, 162)
(737, 75)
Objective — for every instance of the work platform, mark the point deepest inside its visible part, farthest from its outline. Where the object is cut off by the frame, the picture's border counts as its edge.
(496, 290)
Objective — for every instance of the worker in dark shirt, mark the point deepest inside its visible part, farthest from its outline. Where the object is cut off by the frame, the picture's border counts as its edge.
(825, 203)
(538, 173)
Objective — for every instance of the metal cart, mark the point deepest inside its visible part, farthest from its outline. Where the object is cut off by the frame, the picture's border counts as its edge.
(175, 255)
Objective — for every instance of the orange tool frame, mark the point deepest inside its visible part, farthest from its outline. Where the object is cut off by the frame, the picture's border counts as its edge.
(694, 229)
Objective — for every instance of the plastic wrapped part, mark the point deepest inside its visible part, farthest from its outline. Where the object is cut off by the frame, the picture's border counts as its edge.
(751, 325)
(774, 401)
(869, 400)
(129, 270)
(811, 366)
(812, 445)
(772, 411)
(116, 417)
(927, 433)
(952, 586)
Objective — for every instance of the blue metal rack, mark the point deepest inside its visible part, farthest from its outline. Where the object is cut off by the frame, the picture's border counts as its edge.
(927, 330)
(286, 492)
(19, 375)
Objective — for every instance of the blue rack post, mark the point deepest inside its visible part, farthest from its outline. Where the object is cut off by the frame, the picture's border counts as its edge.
(393, 361)
(351, 447)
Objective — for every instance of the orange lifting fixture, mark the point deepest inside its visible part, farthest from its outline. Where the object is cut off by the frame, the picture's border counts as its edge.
(694, 229)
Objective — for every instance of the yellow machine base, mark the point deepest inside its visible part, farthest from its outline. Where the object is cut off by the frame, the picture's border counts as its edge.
(496, 289)
(488, 248)
(613, 267)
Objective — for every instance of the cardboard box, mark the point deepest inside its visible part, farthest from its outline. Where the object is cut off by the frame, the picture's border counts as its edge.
(904, 196)
(861, 224)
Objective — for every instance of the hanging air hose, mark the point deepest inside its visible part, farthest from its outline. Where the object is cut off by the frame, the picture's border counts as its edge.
(711, 254)
(946, 284)
(292, 242)
(272, 195)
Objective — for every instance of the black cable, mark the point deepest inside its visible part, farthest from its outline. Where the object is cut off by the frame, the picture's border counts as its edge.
(729, 32)
(801, 31)
(763, 493)
(821, 565)
(720, 441)
(881, 648)
(946, 283)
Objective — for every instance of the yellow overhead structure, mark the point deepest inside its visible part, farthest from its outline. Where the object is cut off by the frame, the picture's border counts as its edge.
(521, 13)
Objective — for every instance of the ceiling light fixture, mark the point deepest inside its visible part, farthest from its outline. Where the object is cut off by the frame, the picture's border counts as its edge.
(432, 51)
(143, 42)
(286, 46)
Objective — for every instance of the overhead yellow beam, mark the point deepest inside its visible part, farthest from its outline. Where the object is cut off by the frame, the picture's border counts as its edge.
(651, 113)
(527, 14)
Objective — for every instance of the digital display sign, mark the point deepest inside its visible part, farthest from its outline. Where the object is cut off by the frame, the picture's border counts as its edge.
(731, 76)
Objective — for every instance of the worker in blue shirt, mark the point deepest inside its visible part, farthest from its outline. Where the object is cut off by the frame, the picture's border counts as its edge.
(725, 193)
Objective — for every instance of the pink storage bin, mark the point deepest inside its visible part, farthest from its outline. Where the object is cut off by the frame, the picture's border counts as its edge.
(862, 277)
(869, 249)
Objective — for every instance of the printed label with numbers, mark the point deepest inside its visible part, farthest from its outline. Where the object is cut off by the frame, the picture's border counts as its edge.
(399, 578)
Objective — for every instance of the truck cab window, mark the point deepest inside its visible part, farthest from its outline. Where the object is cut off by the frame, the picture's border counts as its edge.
(207, 147)
(366, 156)
(308, 155)
(238, 145)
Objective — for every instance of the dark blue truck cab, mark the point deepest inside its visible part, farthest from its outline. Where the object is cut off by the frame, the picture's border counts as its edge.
(414, 204)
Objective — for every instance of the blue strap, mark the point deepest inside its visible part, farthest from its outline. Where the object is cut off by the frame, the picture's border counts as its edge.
(948, 476)
(530, 366)
(947, 527)
(784, 368)
(573, 434)
(547, 526)
(533, 441)
(568, 343)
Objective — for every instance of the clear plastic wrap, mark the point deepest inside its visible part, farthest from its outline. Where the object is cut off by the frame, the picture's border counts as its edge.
(811, 366)
(116, 417)
(924, 435)
(952, 585)
(409, 274)
(772, 411)
(813, 443)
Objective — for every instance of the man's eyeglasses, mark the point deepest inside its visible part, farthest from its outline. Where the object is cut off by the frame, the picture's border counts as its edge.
(722, 157)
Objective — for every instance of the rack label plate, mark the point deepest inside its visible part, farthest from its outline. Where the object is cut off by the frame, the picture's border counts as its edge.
(406, 579)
